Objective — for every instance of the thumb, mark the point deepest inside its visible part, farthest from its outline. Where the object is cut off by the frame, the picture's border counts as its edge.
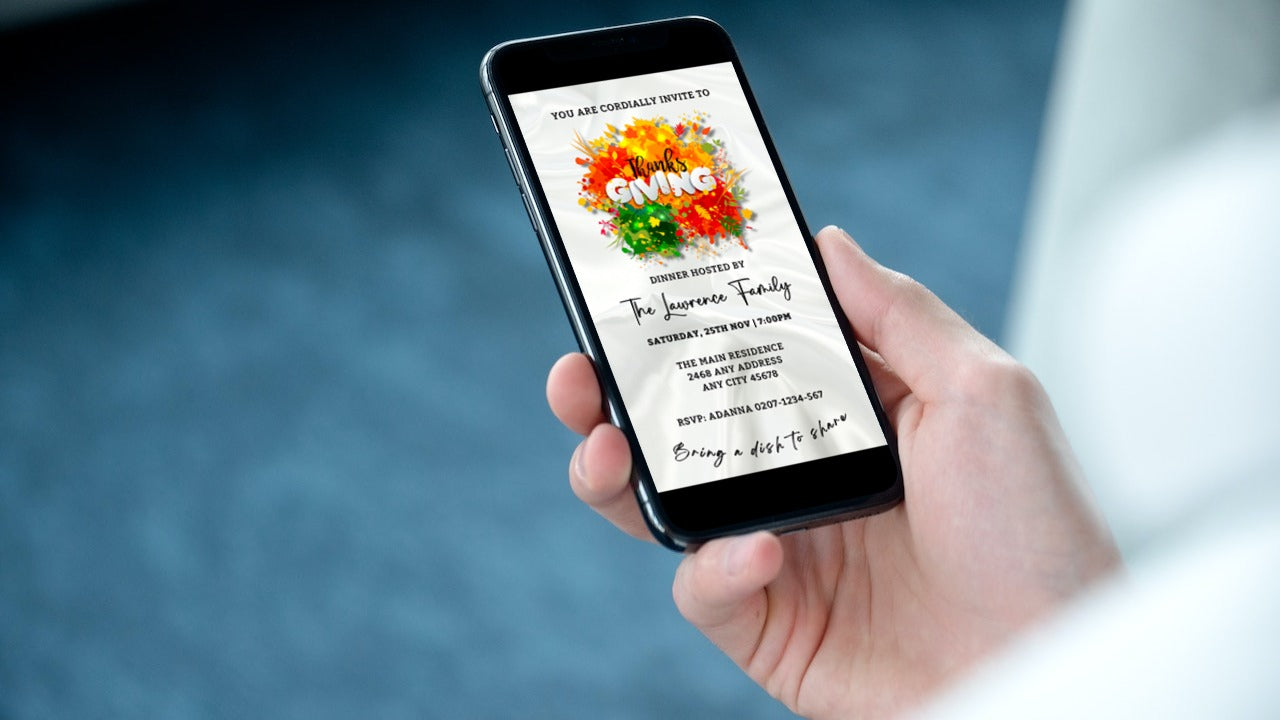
(922, 339)
(720, 589)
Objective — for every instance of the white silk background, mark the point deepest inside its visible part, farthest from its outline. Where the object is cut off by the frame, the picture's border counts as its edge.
(655, 390)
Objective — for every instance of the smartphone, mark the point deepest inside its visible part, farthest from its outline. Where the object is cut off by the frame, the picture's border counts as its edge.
(691, 280)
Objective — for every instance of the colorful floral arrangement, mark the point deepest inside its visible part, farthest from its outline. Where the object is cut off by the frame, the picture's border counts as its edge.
(665, 189)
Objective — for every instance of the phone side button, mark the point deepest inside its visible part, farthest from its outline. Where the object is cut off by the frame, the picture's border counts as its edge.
(528, 209)
(511, 164)
(494, 122)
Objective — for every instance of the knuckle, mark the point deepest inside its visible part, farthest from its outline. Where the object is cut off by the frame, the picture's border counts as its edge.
(905, 293)
(998, 376)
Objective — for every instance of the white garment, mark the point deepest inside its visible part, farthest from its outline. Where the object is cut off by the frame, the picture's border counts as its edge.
(1178, 353)
(1149, 305)
(1141, 83)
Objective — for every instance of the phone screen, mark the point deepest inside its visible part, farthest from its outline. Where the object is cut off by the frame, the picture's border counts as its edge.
(696, 274)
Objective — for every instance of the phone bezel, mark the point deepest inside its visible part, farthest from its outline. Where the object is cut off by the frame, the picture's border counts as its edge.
(780, 499)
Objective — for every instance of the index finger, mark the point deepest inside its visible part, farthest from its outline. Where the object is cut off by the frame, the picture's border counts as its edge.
(573, 392)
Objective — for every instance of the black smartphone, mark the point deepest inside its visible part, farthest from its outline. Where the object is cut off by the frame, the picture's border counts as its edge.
(691, 280)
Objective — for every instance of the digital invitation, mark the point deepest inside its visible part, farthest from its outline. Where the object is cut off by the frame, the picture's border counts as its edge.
(696, 275)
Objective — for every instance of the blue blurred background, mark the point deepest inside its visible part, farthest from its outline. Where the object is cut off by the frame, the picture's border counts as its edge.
(274, 330)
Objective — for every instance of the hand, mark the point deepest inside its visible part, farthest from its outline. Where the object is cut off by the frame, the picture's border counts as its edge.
(868, 617)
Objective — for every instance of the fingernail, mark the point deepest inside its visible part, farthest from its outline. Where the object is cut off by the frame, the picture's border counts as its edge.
(849, 238)
(580, 465)
(738, 555)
